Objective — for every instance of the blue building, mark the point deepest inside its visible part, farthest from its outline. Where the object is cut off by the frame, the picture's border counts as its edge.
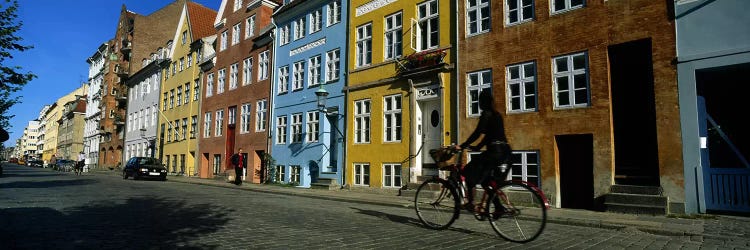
(713, 59)
(310, 56)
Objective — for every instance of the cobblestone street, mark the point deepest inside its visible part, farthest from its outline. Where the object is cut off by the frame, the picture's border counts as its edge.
(43, 209)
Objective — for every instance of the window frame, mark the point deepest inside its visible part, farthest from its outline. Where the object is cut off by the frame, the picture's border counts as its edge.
(313, 71)
(394, 167)
(219, 123)
(283, 85)
(281, 130)
(396, 118)
(312, 126)
(295, 126)
(568, 6)
(245, 115)
(396, 49)
(261, 108)
(362, 174)
(333, 59)
(480, 20)
(362, 135)
(298, 75)
(524, 165)
(519, 12)
(482, 85)
(570, 73)
(363, 45)
(521, 82)
(247, 71)
(428, 24)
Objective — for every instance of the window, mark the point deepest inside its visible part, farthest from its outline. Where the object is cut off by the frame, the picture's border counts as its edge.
(428, 37)
(184, 37)
(174, 68)
(263, 65)
(362, 121)
(223, 41)
(182, 64)
(236, 34)
(476, 82)
(391, 175)
(571, 80)
(148, 115)
(189, 59)
(184, 128)
(153, 115)
(312, 126)
(237, 5)
(315, 21)
(314, 69)
(525, 167)
(393, 38)
(299, 28)
(209, 84)
(361, 174)
(187, 93)
(298, 75)
(478, 16)
(296, 128)
(518, 11)
(219, 129)
(521, 84)
(565, 5)
(179, 95)
(281, 130)
(245, 118)
(280, 173)
(260, 113)
(207, 125)
(364, 45)
(176, 126)
(169, 131)
(294, 173)
(193, 126)
(284, 35)
(250, 27)
(221, 81)
(232, 115)
(332, 65)
(217, 164)
(247, 70)
(333, 11)
(283, 79)
(171, 99)
(233, 72)
(196, 90)
(392, 119)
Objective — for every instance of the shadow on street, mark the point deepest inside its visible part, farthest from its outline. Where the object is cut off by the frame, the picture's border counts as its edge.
(408, 220)
(46, 184)
(139, 223)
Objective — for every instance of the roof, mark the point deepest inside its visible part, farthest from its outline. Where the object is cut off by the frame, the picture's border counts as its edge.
(201, 20)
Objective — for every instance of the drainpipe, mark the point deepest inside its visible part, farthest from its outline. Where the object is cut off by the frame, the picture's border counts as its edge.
(271, 90)
(346, 96)
(456, 128)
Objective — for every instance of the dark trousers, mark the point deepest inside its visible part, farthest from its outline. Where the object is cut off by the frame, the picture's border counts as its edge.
(238, 175)
(480, 168)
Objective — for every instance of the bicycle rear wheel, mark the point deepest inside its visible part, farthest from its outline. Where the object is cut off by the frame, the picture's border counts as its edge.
(521, 214)
(437, 203)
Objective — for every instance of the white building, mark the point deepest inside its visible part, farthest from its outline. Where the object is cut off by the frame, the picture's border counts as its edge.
(41, 131)
(91, 136)
(29, 139)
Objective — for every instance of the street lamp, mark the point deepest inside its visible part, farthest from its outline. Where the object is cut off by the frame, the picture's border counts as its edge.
(151, 142)
(322, 95)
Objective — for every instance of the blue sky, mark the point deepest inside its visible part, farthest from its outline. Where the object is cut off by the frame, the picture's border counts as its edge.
(64, 34)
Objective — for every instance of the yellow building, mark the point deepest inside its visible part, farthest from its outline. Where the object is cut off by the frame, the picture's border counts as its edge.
(180, 100)
(54, 113)
(400, 86)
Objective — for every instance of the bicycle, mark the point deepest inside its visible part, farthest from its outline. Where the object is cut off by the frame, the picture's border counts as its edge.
(516, 210)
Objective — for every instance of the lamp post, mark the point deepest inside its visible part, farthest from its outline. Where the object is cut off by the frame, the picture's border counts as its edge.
(150, 141)
(331, 114)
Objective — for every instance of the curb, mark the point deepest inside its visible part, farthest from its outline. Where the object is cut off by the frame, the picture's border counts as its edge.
(650, 227)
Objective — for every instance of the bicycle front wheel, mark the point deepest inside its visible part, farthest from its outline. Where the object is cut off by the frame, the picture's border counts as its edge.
(437, 203)
(518, 213)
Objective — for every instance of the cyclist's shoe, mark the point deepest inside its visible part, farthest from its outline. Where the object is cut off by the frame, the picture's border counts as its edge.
(468, 207)
(497, 214)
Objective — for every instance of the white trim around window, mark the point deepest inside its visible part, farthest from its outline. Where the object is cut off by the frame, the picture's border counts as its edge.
(521, 87)
(570, 80)
(476, 82)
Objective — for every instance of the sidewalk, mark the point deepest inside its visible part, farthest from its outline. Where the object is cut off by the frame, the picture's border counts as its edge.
(711, 226)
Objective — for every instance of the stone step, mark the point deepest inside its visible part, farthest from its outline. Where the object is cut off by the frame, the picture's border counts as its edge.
(325, 183)
(635, 199)
(633, 189)
(636, 209)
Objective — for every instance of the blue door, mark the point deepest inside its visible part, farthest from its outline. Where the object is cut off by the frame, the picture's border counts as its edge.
(726, 188)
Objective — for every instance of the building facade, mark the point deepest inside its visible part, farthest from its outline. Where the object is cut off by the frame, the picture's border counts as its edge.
(713, 55)
(91, 133)
(310, 51)
(587, 91)
(51, 118)
(71, 128)
(401, 83)
(235, 104)
(178, 122)
(143, 106)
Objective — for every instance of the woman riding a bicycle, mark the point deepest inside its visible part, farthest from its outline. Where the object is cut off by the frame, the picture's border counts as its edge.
(498, 151)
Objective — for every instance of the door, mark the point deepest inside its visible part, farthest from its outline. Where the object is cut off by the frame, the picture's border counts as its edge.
(576, 163)
(430, 124)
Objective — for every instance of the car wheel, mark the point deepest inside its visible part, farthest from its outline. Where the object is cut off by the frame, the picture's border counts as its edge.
(124, 175)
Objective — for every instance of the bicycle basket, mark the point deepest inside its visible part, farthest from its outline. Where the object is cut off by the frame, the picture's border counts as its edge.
(443, 157)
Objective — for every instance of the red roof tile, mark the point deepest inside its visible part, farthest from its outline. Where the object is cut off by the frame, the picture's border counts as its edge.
(201, 20)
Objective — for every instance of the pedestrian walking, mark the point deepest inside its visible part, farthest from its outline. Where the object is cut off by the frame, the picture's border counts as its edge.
(239, 162)
(80, 163)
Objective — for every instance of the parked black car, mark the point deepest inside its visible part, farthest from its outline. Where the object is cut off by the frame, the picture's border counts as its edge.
(35, 163)
(144, 167)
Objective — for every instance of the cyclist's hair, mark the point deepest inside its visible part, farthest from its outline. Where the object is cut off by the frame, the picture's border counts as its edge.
(486, 101)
